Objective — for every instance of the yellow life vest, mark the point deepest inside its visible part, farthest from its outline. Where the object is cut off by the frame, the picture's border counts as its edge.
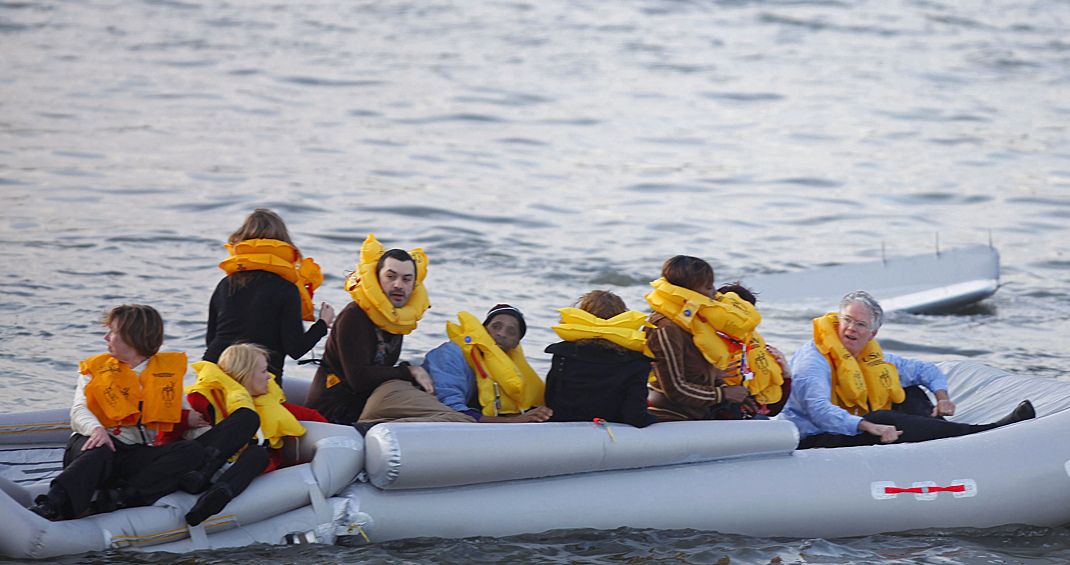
(506, 383)
(624, 329)
(859, 388)
(119, 397)
(723, 329)
(227, 395)
(767, 378)
(363, 285)
(277, 257)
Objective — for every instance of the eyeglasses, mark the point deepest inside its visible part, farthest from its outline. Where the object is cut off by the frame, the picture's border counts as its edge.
(848, 321)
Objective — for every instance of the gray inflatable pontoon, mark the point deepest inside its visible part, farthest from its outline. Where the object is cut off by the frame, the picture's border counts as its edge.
(732, 477)
(926, 283)
(298, 499)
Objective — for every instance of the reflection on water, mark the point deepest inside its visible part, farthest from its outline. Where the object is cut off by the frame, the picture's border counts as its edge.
(536, 150)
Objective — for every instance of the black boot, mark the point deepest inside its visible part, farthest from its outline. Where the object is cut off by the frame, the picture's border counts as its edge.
(196, 481)
(210, 503)
(1024, 411)
(109, 500)
(46, 508)
(53, 506)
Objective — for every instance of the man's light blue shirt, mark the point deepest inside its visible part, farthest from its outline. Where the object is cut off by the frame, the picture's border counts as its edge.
(810, 405)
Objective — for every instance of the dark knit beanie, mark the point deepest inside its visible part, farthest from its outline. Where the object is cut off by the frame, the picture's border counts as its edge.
(507, 309)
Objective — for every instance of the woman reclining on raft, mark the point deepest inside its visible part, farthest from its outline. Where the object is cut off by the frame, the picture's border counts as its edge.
(239, 399)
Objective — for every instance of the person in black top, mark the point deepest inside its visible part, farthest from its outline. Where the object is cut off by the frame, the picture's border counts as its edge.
(596, 378)
(260, 306)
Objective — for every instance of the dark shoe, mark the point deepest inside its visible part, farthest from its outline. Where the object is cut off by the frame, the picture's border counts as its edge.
(1024, 411)
(210, 503)
(46, 508)
(195, 482)
(363, 427)
(108, 500)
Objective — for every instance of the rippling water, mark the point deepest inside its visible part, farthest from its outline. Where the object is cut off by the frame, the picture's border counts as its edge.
(679, 547)
(536, 151)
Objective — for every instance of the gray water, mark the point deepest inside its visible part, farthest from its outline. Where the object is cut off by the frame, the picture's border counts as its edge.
(537, 151)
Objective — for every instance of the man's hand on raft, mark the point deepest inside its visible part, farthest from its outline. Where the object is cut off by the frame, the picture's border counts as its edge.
(888, 434)
(540, 414)
(422, 378)
(944, 406)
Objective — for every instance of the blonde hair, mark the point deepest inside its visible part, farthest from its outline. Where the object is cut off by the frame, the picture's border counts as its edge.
(239, 361)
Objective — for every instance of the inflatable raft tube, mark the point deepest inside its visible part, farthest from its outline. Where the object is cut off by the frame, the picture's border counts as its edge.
(335, 455)
(32, 445)
(1017, 474)
(984, 394)
(926, 283)
(416, 455)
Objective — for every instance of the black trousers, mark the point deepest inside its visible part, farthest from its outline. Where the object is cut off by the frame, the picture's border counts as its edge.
(915, 428)
(231, 435)
(143, 473)
(916, 402)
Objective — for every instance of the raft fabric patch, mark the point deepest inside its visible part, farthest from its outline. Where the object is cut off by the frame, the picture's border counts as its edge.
(926, 490)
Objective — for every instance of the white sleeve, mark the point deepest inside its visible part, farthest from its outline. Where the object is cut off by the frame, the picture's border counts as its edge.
(83, 421)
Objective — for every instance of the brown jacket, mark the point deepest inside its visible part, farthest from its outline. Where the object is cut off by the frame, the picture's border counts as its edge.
(685, 384)
(350, 354)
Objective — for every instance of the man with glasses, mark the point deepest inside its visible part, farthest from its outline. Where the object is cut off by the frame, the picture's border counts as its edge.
(847, 392)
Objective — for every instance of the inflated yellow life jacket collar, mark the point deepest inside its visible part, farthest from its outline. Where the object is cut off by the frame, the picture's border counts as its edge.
(704, 317)
(857, 387)
(505, 381)
(281, 258)
(276, 422)
(723, 329)
(363, 286)
(624, 329)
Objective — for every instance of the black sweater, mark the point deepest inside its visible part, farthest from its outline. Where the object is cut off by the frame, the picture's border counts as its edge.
(265, 310)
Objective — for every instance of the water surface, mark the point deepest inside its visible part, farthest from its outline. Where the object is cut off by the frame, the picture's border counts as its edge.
(536, 151)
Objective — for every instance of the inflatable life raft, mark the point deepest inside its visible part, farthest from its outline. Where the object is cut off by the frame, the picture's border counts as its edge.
(588, 475)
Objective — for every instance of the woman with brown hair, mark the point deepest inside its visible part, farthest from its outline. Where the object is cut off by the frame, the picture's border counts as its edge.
(110, 453)
(600, 371)
(266, 294)
(686, 386)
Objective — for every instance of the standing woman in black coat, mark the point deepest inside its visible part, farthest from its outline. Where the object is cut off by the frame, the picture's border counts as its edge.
(266, 294)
